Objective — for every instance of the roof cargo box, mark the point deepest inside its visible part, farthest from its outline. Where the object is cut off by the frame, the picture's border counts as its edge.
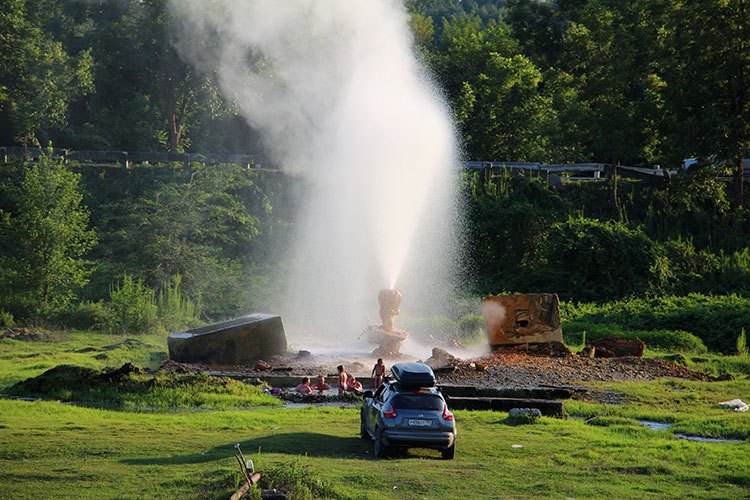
(413, 375)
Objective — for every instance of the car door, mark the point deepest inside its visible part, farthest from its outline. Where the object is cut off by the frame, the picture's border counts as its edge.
(378, 400)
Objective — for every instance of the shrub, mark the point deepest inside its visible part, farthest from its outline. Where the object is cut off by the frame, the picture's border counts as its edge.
(6, 319)
(89, 315)
(660, 340)
(431, 328)
(714, 319)
(176, 311)
(133, 306)
(471, 327)
(595, 261)
(742, 343)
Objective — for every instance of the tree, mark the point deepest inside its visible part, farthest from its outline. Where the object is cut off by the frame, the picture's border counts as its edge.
(38, 78)
(46, 238)
(588, 260)
(496, 92)
(707, 70)
(199, 226)
(609, 49)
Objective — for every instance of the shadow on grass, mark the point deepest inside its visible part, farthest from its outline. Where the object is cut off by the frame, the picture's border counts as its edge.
(293, 443)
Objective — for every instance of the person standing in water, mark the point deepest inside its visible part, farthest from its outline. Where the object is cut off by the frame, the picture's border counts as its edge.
(343, 379)
(378, 373)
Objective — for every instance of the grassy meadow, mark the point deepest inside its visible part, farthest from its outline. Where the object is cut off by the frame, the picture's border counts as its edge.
(52, 449)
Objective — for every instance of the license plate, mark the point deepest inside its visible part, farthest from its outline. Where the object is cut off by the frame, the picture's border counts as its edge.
(418, 422)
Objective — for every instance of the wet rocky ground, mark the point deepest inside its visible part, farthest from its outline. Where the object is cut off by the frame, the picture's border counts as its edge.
(504, 370)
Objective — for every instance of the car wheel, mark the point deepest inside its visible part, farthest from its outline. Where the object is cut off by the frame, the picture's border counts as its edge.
(380, 449)
(449, 452)
(363, 427)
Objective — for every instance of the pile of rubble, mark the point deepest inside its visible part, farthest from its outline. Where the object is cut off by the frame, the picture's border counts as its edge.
(20, 334)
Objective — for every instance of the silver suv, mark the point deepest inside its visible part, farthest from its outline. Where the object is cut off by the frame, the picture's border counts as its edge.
(408, 412)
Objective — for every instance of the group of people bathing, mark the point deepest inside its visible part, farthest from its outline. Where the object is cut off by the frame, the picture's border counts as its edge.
(347, 382)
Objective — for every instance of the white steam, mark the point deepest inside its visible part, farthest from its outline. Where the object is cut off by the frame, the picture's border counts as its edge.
(340, 99)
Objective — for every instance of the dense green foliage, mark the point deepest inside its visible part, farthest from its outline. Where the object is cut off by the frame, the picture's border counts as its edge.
(638, 83)
(44, 237)
(716, 320)
(634, 82)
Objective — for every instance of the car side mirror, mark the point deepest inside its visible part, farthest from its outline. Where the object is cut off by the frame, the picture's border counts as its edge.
(367, 394)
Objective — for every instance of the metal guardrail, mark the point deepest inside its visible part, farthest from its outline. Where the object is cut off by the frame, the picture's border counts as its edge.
(125, 159)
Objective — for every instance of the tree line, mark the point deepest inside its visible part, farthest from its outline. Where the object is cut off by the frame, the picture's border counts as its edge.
(640, 83)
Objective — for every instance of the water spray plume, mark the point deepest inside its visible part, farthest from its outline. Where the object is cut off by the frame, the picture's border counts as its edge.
(341, 100)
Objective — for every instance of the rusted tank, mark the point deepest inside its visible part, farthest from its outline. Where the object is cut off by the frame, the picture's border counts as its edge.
(516, 320)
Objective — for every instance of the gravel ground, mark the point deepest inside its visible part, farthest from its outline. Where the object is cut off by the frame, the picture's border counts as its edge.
(507, 370)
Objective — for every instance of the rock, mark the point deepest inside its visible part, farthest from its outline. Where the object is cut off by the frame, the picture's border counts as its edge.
(234, 342)
(523, 415)
(619, 347)
(533, 412)
(603, 352)
(678, 359)
(125, 369)
(553, 349)
(441, 359)
(261, 365)
(481, 367)
(587, 352)
(304, 354)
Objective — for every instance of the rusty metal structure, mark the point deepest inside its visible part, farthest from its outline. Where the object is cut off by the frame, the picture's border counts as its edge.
(386, 335)
(529, 320)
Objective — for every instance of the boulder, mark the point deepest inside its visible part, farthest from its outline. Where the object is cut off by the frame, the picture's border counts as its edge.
(441, 359)
(618, 347)
(234, 342)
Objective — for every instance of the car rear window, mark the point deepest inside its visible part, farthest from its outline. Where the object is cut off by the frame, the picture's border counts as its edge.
(417, 402)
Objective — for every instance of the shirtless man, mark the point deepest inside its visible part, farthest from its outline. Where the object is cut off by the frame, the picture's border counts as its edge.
(320, 384)
(343, 379)
(378, 373)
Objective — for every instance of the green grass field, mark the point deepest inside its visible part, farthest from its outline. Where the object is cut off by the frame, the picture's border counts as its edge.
(49, 449)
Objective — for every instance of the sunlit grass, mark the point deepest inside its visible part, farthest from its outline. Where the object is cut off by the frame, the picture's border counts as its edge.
(602, 451)
(93, 452)
(20, 360)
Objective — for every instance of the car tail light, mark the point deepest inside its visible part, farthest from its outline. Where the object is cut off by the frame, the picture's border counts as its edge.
(447, 415)
(389, 411)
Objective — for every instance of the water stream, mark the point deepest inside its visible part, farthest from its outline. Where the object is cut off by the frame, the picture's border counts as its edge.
(663, 426)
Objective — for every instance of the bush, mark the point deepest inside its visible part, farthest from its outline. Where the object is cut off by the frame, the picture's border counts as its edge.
(596, 261)
(659, 340)
(713, 319)
(88, 315)
(175, 311)
(6, 319)
(741, 343)
(133, 306)
(471, 328)
(431, 329)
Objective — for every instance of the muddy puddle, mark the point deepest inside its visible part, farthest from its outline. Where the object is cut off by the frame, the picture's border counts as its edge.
(664, 426)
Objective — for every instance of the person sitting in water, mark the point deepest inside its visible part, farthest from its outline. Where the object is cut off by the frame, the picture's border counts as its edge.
(378, 373)
(320, 384)
(352, 384)
(343, 379)
(304, 387)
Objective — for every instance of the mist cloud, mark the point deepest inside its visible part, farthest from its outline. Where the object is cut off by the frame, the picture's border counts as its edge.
(339, 97)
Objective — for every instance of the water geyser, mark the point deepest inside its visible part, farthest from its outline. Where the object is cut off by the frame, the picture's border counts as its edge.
(343, 104)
